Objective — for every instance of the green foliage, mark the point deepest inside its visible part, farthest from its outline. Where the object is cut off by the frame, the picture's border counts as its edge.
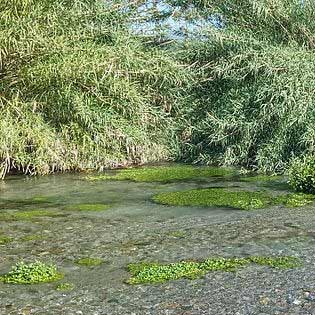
(82, 91)
(158, 273)
(87, 207)
(302, 174)
(89, 261)
(219, 197)
(66, 286)
(164, 173)
(254, 105)
(32, 273)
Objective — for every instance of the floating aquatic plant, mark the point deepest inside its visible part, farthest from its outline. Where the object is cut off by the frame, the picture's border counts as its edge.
(31, 273)
(158, 273)
(89, 261)
(218, 197)
(66, 286)
(164, 173)
(87, 207)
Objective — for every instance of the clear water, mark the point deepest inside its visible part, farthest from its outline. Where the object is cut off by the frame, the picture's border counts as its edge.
(134, 229)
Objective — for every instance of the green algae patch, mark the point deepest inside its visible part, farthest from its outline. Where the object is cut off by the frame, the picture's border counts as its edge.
(6, 217)
(296, 200)
(218, 197)
(164, 173)
(144, 273)
(30, 214)
(177, 234)
(87, 207)
(32, 273)
(65, 286)
(5, 240)
(89, 261)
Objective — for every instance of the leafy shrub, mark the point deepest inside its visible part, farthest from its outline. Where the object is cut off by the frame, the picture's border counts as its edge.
(302, 174)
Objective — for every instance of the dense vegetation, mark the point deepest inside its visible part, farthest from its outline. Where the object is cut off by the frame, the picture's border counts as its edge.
(80, 89)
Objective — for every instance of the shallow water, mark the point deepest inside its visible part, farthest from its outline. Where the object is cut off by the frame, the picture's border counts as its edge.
(135, 229)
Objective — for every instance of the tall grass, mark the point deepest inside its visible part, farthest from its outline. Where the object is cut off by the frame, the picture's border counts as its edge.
(78, 90)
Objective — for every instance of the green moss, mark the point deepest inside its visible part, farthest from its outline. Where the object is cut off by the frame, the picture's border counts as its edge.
(296, 200)
(158, 273)
(65, 286)
(29, 214)
(87, 207)
(164, 173)
(5, 239)
(88, 261)
(219, 197)
(36, 272)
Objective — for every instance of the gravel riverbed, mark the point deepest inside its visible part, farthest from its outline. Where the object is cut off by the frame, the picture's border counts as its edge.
(134, 230)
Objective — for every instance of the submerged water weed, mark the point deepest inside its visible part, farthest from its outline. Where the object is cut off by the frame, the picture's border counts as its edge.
(296, 200)
(87, 207)
(159, 273)
(66, 286)
(31, 273)
(219, 197)
(5, 239)
(29, 214)
(164, 173)
(262, 178)
(285, 262)
(177, 234)
(89, 261)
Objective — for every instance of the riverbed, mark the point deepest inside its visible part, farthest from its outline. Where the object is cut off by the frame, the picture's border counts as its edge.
(135, 229)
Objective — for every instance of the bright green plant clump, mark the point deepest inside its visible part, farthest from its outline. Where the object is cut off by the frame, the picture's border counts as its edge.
(219, 197)
(87, 207)
(65, 286)
(157, 273)
(302, 175)
(88, 261)
(164, 173)
(36, 272)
